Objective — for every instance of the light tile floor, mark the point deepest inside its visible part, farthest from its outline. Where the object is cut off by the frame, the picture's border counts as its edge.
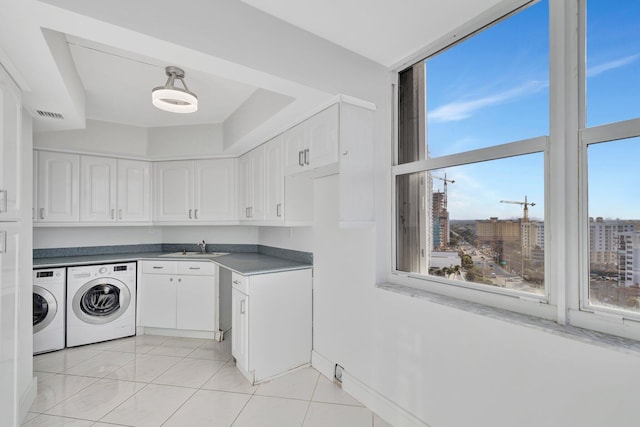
(153, 380)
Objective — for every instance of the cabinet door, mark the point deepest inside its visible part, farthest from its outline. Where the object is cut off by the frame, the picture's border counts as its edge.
(240, 329)
(322, 132)
(274, 180)
(10, 143)
(356, 197)
(294, 141)
(134, 190)
(215, 190)
(174, 191)
(196, 303)
(245, 184)
(9, 300)
(98, 187)
(58, 187)
(157, 300)
(257, 183)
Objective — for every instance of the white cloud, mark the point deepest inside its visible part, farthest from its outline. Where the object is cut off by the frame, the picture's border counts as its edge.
(459, 110)
(617, 63)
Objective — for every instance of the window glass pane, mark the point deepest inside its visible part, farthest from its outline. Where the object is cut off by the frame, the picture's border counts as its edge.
(614, 224)
(492, 88)
(613, 61)
(481, 223)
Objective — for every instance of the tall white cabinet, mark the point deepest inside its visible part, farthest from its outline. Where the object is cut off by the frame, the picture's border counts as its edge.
(16, 340)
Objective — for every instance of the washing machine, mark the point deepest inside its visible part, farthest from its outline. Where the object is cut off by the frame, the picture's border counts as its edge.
(49, 301)
(101, 303)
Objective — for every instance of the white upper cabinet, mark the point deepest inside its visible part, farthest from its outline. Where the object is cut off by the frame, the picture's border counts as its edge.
(312, 143)
(274, 180)
(10, 136)
(134, 191)
(174, 191)
(215, 190)
(58, 187)
(195, 190)
(114, 190)
(98, 189)
(251, 173)
(322, 130)
(356, 198)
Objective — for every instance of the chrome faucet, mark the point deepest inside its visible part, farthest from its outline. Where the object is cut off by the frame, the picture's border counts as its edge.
(203, 247)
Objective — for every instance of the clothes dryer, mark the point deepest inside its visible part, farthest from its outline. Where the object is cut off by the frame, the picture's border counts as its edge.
(101, 303)
(48, 309)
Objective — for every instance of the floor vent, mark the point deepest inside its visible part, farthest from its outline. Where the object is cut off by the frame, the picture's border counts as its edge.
(49, 114)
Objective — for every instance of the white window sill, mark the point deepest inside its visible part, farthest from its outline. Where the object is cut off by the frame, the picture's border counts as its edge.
(612, 342)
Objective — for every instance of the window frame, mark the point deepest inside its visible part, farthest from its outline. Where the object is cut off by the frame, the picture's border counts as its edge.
(511, 299)
(565, 161)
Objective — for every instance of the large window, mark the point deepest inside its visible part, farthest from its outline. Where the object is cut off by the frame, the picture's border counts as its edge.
(515, 177)
(612, 92)
(470, 196)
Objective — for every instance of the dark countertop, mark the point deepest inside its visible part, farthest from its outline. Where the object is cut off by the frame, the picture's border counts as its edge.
(244, 263)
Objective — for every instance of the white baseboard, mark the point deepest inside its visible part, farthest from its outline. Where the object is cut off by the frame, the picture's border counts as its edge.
(26, 400)
(379, 404)
(140, 330)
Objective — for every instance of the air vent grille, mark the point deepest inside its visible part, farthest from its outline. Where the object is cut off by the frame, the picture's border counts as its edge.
(49, 114)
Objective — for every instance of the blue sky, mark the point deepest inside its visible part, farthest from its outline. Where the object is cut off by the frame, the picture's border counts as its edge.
(493, 88)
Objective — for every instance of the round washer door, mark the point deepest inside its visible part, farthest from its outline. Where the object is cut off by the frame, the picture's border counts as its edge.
(101, 301)
(45, 308)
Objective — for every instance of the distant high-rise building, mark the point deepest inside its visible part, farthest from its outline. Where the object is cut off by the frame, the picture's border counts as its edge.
(497, 230)
(629, 258)
(440, 217)
(604, 241)
(532, 238)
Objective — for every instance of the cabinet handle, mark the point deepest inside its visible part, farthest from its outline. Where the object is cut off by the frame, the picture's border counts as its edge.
(179, 280)
(194, 268)
(3, 242)
(4, 195)
(236, 282)
(190, 213)
(171, 279)
(306, 156)
(242, 306)
(300, 162)
(119, 213)
(345, 152)
(113, 214)
(196, 213)
(41, 213)
(157, 267)
(278, 213)
(246, 212)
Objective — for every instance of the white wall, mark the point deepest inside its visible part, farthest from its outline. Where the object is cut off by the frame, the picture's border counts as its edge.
(98, 137)
(295, 238)
(449, 367)
(174, 142)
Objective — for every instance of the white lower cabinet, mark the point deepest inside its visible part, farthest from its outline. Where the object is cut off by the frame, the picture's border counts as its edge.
(271, 323)
(178, 295)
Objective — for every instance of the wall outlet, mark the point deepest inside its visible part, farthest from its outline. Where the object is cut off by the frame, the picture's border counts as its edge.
(337, 374)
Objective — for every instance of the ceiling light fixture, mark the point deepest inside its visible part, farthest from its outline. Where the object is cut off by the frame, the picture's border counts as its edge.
(174, 99)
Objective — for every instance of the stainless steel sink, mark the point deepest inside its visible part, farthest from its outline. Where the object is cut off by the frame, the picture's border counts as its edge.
(193, 254)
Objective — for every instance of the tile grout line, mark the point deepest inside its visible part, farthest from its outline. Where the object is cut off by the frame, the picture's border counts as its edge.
(306, 413)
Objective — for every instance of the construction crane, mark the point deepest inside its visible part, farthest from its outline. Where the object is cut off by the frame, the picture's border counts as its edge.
(526, 205)
(445, 180)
